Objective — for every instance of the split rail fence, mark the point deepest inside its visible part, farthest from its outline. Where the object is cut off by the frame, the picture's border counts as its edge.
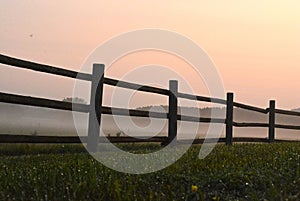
(95, 109)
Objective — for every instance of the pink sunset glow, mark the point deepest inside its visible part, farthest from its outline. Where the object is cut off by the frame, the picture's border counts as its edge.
(255, 45)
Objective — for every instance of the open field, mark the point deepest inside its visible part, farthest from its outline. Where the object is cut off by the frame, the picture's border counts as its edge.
(67, 172)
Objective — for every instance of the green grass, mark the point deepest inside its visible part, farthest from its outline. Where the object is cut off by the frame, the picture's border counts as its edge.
(240, 172)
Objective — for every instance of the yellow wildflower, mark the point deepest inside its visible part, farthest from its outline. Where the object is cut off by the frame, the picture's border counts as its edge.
(194, 188)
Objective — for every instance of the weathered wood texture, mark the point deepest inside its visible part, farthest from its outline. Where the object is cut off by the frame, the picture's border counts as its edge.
(42, 102)
(272, 121)
(95, 107)
(201, 98)
(173, 107)
(229, 118)
(242, 124)
(43, 68)
(251, 108)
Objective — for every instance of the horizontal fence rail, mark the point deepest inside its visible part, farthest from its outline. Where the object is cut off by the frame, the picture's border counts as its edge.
(23, 139)
(72, 139)
(237, 124)
(42, 102)
(251, 108)
(172, 117)
(202, 98)
(292, 127)
(43, 68)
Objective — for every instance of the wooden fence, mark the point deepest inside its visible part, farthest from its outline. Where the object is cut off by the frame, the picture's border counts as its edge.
(95, 108)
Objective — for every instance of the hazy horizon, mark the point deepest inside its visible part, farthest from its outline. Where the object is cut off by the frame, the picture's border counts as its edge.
(51, 122)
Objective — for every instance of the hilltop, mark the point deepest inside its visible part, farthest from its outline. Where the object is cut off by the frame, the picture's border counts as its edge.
(296, 110)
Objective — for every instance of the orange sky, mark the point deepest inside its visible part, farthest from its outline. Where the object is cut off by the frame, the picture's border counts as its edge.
(255, 45)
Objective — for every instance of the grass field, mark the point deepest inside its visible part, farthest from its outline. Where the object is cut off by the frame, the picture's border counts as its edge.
(240, 172)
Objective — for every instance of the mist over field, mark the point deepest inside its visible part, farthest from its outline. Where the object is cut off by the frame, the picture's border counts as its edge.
(26, 120)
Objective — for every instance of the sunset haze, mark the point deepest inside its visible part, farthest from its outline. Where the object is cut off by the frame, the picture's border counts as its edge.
(255, 45)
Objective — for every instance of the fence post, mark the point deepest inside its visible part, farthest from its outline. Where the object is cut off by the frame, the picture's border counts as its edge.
(95, 107)
(172, 129)
(272, 121)
(229, 118)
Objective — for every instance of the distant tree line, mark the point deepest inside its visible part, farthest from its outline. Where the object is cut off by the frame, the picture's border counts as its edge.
(75, 100)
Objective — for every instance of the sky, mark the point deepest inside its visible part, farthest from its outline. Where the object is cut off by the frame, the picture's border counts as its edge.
(255, 45)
